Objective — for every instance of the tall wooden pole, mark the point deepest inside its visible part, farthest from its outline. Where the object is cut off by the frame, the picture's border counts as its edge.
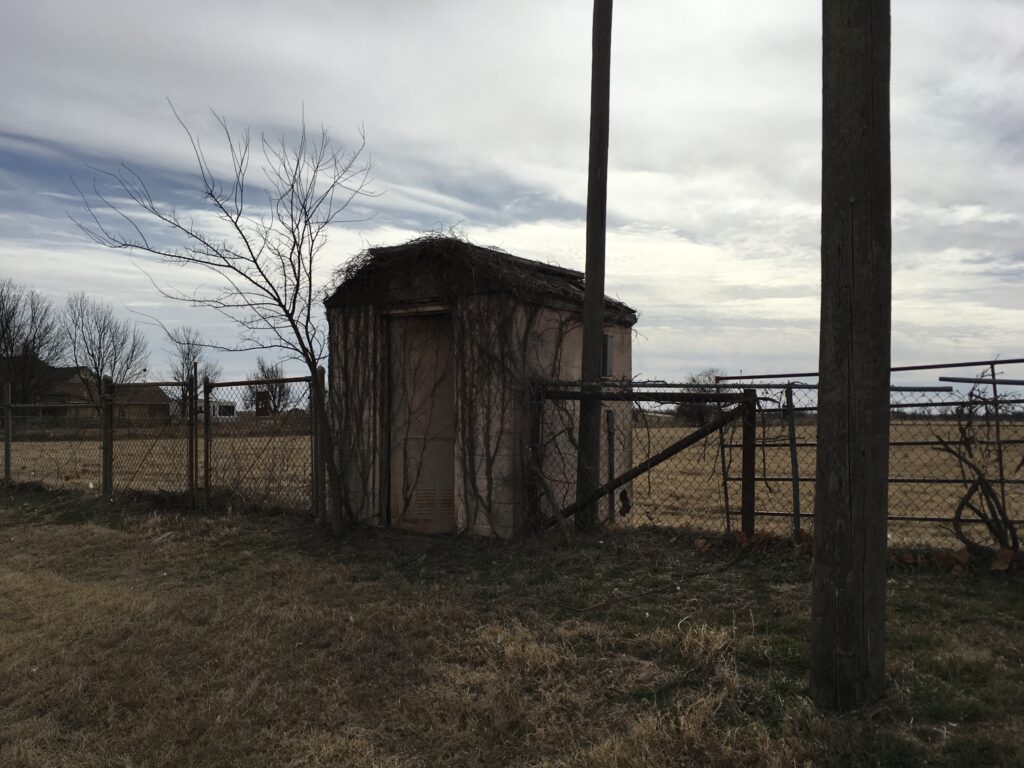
(588, 463)
(851, 500)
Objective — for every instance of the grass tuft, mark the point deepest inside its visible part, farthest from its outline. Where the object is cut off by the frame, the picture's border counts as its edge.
(131, 636)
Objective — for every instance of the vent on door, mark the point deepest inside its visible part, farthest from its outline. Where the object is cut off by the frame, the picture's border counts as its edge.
(433, 501)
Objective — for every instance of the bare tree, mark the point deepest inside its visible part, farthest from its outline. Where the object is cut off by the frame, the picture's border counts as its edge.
(31, 340)
(264, 379)
(101, 345)
(265, 256)
(188, 350)
(704, 381)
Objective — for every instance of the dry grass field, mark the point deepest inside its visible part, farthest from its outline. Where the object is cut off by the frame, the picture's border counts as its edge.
(135, 638)
(687, 489)
(273, 471)
(268, 471)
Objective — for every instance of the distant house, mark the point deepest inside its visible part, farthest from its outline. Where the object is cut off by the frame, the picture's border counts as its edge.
(76, 386)
(34, 381)
(220, 410)
(71, 385)
(223, 410)
(434, 347)
(143, 401)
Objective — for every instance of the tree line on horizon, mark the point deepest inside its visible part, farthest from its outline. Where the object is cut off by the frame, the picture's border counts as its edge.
(84, 338)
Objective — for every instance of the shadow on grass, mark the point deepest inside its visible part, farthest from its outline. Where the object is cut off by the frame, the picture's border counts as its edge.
(643, 647)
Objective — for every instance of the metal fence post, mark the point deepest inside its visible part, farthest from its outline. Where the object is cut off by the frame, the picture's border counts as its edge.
(8, 432)
(195, 435)
(609, 418)
(999, 440)
(107, 447)
(749, 454)
(724, 462)
(794, 462)
(190, 445)
(320, 457)
(207, 419)
(314, 449)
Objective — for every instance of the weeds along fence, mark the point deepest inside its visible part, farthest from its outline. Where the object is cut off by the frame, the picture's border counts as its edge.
(956, 462)
(247, 444)
(956, 453)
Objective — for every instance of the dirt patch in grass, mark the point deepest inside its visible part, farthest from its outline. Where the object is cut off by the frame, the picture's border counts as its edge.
(129, 637)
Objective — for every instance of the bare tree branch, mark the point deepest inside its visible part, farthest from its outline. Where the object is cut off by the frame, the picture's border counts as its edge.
(265, 385)
(101, 345)
(30, 340)
(264, 260)
(187, 350)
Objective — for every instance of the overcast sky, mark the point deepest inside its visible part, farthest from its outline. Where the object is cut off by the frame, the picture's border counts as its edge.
(477, 117)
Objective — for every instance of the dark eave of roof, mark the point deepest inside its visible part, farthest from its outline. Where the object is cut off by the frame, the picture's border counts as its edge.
(533, 281)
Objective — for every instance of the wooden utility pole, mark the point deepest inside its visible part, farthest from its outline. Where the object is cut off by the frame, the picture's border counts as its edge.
(851, 499)
(588, 462)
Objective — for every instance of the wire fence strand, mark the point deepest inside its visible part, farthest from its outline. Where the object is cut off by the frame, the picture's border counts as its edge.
(943, 440)
(956, 457)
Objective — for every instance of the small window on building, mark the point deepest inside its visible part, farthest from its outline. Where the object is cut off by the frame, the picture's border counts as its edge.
(606, 356)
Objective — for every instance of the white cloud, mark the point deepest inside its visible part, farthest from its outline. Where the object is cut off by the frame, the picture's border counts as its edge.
(476, 114)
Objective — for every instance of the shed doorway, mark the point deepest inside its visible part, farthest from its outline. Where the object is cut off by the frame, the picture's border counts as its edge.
(422, 424)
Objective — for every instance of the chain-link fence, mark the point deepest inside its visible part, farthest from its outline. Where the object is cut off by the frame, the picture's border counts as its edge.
(645, 423)
(956, 468)
(245, 444)
(150, 430)
(956, 447)
(258, 443)
(956, 465)
(56, 445)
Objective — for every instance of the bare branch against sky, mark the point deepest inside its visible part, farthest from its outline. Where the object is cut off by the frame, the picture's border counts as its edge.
(260, 240)
(101, 344)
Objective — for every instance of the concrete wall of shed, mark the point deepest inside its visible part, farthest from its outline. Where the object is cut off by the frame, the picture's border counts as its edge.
(357, 391)
(494, 414)
(560, 420)
(553, 351)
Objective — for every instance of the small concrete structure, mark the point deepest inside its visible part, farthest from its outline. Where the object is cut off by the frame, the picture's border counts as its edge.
(436, 346)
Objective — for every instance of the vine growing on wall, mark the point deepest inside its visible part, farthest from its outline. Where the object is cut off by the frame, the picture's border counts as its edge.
(509, 319)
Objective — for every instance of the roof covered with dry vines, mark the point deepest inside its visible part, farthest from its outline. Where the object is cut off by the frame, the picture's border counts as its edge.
(455, 267)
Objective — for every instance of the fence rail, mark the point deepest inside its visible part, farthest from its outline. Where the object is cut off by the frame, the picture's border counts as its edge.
(929, 427)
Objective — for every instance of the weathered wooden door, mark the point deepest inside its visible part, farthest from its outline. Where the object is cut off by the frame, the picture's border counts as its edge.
(422, 418)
